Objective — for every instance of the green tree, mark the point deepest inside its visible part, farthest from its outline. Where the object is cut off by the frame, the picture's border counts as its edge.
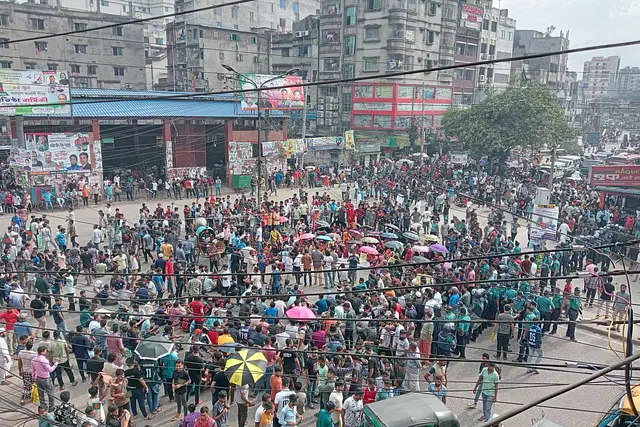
(528, 117)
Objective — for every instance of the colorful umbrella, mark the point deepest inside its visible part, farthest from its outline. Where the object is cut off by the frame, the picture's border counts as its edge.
(323, 224)
(430, 238)
(155, 348)
(393, 244)
(307, 236)
(325, 238)
(355, 233)
(421, 249)
(393, 227)
(301, 314)
(370, 250)
(419, 259)
(245, 367)
(437, 247)
(354, 242)
(284, 219)
(389, 236)
(371, 240)
(410, 235)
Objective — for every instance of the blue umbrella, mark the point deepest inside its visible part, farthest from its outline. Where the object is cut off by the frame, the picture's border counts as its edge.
(389, 236)
(394, 244)
(325, 238)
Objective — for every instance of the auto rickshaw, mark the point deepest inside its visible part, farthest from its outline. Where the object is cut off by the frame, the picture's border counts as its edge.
(621, 413)
(401, 412)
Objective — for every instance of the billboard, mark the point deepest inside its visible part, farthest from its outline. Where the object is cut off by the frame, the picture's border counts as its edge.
(291, 98)
(326, 143)
(545, 220)
(471, 16)
(57, 153)
(32, 92)
(615, 176)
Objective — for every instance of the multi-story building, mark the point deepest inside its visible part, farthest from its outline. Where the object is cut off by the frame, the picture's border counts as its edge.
(111, 58)
(469, 17)
(154, 38)
(548, 71)
(599, 76)
(628, 81)
(496, 42)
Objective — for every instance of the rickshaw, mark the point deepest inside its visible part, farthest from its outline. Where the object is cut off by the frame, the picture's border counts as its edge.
(401, 412)
(621, 413)
(205, 237)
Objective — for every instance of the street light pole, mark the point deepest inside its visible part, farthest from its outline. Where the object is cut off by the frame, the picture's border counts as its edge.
(259, 126)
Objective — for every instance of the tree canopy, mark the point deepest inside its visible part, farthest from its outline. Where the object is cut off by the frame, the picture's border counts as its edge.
(528, 117)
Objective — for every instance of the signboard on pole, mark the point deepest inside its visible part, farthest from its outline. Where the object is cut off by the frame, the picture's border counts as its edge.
(33, 92)
(545, 220)
(291, 98)
(615, 176)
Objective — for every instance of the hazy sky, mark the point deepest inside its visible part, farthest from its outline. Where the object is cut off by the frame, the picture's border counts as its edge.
(591, 22)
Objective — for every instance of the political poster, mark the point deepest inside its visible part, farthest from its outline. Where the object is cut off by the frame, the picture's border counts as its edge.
(545, 222)
(34, 92)
(57, 153)
(290, 98)
(349, 140)
(326, 143)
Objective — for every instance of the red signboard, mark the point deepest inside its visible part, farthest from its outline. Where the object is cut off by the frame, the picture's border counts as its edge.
(615, 175)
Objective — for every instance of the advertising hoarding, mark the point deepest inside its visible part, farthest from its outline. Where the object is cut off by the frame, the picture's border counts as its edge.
(471, 16)
(545, 220)
(291, 98)
(33, 92)
(326, 143)
(57, 153)
(615, 175)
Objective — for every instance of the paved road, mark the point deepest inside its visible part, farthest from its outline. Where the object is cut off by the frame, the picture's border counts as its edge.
(517, 388)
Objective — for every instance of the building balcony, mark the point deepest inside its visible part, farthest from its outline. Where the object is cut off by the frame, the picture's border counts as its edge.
(464, 58)
(399, 45)
(332, 19)
(330, 48)
(465, 84)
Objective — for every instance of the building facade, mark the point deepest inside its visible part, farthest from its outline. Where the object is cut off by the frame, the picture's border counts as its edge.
(111, 58)
(628, 81)
(599, 77)
(548, 71)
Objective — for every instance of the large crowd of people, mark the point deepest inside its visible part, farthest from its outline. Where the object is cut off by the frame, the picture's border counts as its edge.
(408, 278)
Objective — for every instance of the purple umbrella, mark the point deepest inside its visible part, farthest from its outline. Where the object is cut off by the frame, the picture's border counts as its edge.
(437, 247)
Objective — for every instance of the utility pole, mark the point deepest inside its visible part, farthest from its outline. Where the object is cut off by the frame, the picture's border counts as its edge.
(553, 168)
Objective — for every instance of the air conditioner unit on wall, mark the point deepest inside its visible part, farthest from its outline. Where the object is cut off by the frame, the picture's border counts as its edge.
(481, 78)
(302, 33)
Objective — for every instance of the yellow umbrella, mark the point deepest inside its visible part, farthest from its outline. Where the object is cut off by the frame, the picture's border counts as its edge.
(245, 366)
(430, 238)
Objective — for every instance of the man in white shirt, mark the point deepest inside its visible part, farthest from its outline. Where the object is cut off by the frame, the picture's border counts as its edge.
(282, 399)
(337, 416)
(353, 410)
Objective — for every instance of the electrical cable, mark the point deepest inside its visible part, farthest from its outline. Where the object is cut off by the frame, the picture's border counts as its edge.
(131, 22)
(342, 80)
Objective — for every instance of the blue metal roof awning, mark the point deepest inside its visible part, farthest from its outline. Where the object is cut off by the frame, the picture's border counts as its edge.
(106, 103)
(619, 190)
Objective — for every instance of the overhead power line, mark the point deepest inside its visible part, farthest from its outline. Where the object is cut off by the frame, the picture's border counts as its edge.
(197, 95)
(121, 24)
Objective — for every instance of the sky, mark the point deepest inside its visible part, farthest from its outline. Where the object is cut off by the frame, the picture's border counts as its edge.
(590, 22)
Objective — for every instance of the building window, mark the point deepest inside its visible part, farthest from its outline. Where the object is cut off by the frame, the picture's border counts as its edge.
(431, 37)
(510, 36)
(331, 64)
(216, 35)
(217, 12)
(221, 56)
(219, 24)
(372, 33)
(4, 20)
(349, 71)
(485, 24)
(273, 8)
(283, 23)
(303, 50)
(347, 102)
(30, 66)
(80, 48)
(492, 49)
(285, 52)
(234, 12)
(371, 64)
(118, 71)
(159, 41)
(52, 67)
(494, 26)
(235, 37)
(117, 51)
(432, 9)
(3, 43)
(41, 46)
(252, 17)
(350, 45)
(104, 3)
(80, 26)
(283, 4)
(351, 15)
(503, 34)
(75, 69)
(5, 64)
(37, 24)
(254, 40)
(483, 48)
(117, 31)
(92, 70)
(240, 57)
(373, 4)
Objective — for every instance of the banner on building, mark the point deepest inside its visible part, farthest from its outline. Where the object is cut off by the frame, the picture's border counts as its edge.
(326, 143)
(289, 98)
(57, 153)
(471, 16)
(459, 157)
(186, 172)
(240, 158)
(33, 92)
(545, 220)
(273, 148)
(349, 140)
(615, 176)
(168, 155)
(295, 147)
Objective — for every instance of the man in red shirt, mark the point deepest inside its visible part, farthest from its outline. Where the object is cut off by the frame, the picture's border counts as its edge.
(10, 317)
(196, 307)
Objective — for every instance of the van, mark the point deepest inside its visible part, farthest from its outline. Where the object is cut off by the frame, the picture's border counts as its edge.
(573, 162)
